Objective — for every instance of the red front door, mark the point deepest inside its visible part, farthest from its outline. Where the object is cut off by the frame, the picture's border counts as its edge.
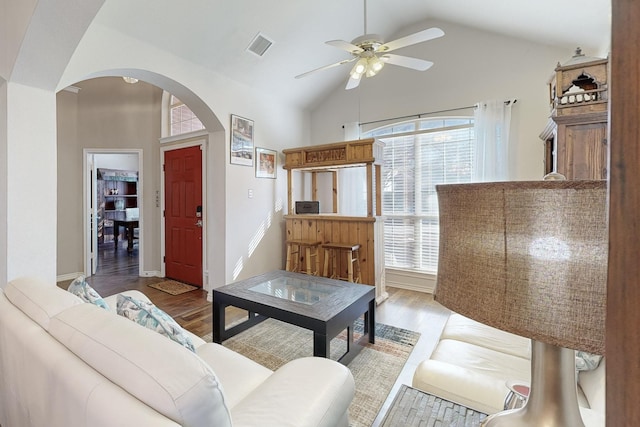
(183, 214)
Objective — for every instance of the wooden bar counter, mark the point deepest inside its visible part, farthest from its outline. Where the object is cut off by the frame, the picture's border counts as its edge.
(366, 230)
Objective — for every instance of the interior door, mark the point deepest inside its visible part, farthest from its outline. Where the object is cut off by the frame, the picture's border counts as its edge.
(183, 214)
(94, 217)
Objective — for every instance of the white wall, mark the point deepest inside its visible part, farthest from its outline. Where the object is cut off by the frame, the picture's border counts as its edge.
(470, 66)
(106, 114)
(253, 227)
(14, 22)
(127, 162)
(31, 200)
(3, 181)
(69, 259)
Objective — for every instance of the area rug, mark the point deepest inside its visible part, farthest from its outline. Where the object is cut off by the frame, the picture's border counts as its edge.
(172, 287)
(375, 369)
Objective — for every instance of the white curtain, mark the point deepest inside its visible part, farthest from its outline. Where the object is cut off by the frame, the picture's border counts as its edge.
(491, 150)
(352, 182)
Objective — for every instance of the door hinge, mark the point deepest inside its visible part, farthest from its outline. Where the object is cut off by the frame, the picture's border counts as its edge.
(164, 259)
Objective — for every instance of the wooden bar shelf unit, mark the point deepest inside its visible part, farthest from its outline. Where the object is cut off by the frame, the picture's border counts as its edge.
(332, 227)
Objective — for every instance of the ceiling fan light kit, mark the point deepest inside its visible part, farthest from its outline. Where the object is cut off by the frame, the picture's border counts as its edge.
(368, 67)
(371, 55)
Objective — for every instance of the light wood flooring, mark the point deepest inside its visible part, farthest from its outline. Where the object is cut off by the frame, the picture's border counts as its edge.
(406, 309)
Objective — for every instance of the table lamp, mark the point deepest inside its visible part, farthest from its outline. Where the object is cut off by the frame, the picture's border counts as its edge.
(530, 258)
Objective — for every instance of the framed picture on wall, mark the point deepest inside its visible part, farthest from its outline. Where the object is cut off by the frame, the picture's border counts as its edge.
(266, 163)
(241, 141)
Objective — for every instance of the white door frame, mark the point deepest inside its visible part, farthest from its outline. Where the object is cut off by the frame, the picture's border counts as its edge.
(87, 168)
(200, 139)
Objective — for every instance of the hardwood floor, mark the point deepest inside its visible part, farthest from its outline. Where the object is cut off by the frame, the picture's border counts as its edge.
(406, 309)
(118, 272)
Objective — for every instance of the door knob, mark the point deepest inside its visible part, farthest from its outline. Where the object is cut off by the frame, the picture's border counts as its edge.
(199, 223)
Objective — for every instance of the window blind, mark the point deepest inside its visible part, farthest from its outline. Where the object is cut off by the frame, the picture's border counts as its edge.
(423, 154)
(183, 120)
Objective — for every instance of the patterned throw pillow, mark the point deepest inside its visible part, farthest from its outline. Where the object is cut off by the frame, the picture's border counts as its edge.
(150, 316)
(82, 289)
(587, 361)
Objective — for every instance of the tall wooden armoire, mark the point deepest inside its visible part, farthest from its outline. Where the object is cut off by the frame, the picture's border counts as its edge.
(576, 134)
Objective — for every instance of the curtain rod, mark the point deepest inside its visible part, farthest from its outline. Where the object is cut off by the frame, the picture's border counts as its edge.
(431, 112)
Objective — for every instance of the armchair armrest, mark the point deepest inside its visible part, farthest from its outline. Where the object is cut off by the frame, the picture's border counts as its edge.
(305, 392)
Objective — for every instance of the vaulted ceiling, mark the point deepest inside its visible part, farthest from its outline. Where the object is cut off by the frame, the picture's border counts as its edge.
(216, 33)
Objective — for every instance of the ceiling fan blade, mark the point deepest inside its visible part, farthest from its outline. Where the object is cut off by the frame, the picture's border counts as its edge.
(349, 47)
(419, 37)
(352, 83)
(326, 67)
(406, 61)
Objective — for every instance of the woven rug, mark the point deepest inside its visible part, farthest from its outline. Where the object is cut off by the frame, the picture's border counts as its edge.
(375, 369)
(172, 287)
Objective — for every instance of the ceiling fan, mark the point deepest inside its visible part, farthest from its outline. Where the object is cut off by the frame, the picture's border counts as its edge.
(371, 53)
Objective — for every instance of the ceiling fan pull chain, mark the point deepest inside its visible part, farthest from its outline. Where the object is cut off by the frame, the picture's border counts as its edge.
(365, 16)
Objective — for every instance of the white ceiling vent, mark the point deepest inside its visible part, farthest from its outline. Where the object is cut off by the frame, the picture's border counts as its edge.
(259, 45)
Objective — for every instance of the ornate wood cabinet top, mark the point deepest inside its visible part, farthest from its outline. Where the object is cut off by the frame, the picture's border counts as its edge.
(339, 154)
(579, 86)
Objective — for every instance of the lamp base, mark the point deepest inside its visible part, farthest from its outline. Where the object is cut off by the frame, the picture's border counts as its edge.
(553, 400)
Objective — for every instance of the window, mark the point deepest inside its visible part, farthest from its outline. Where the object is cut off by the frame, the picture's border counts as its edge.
(418, 155)
(182, 119)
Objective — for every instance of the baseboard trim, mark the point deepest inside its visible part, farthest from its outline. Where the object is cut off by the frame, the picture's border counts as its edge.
(410, 280)
(71, 276)
(68, 276)
(151, 273)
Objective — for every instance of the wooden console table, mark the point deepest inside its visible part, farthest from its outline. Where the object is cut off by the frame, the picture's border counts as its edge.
(129, 225)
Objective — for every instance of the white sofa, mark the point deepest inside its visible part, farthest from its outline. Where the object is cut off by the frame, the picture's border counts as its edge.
(472, 363)
(64, 362)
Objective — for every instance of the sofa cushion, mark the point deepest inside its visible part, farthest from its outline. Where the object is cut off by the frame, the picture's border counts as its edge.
(148, 315)
(179, 385)
(593, 385)
(592, 418)
(462, 328)
(470, 375)
(85, 292)
(38, 299)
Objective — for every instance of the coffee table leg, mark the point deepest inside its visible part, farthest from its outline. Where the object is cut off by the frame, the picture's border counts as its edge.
(218, 322)
(320, 345)
(370, 321)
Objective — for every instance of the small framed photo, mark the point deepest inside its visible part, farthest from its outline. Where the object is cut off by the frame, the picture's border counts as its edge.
(241, 141)
(266, 163)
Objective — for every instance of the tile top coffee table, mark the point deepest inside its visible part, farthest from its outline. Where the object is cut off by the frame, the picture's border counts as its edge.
(415, 408)
(325, 306)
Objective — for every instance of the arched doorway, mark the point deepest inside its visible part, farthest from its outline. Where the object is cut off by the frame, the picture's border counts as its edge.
(152, 256)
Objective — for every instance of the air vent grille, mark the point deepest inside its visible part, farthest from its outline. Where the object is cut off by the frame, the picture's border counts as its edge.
(259, 45)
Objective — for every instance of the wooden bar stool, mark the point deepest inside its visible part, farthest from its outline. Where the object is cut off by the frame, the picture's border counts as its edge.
(294, 254)
(331, 251)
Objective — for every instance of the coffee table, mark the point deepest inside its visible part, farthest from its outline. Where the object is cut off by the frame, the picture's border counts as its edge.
(325, 306)
(413, 408)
